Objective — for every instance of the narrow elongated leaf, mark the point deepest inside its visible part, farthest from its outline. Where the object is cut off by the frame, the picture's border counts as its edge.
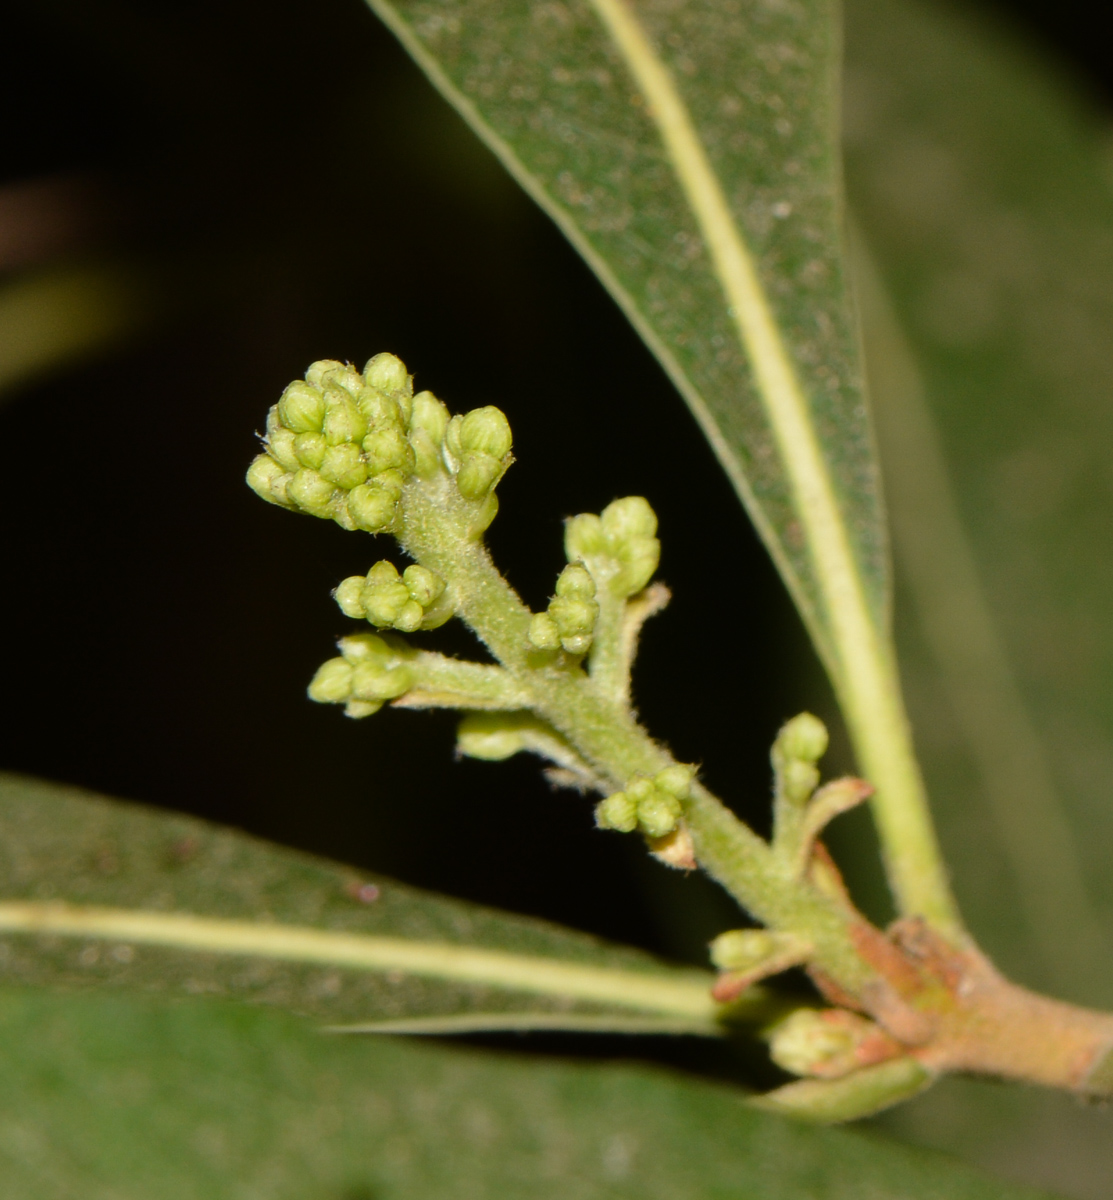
(689, 152)
(109, 1098)
(982, 188)
(98, 893)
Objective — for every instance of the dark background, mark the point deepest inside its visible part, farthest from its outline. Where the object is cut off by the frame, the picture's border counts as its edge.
(292, 189)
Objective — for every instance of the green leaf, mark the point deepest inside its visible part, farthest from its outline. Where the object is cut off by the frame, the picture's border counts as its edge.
(982, 187)
(113, 1098)
(97, 893)
(689, 152)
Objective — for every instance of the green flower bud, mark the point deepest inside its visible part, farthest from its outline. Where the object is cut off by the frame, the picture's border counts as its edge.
(489, 736)
(344, 376)
(477, 475)
(310, 492)
(372, 681)
(318, 370)
(619, 812)
(383, 572)
(798, 780)
(675, 780)
(344, 466)
(309, 449)
(280, 443)
(804, 738)
(658, 814)
(820, 1043)
(584, 537)
(741, 949)
(269, 481)
(388, 374)
(485, 431)
(387, 449)
(379, 408)
(429, 416)
(302, 407)
(372, 507)
(573, 617)
(543, 632)
(452, 437)
(640, 788)
(348, 595)
(343, 420)
(484, 515)
(384, 602)
(576, 583)
(424, 586)
(362, 708)
(639, 560)
(333, 682)
(410, 617)
(628, 519)
(365, 648)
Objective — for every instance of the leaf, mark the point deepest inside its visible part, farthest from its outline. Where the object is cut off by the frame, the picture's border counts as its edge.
(94, 892)
(689, 153)
(114, 1098)
(982, 188)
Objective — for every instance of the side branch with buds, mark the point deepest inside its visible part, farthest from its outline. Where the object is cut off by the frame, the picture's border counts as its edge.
(361, 449)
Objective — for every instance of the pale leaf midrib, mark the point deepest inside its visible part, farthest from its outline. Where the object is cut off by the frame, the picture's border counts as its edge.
(645, 992)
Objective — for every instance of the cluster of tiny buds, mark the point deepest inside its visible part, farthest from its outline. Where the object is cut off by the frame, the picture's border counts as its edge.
(651, 805)
(369, 672)
(343, 444)
(416, 599)
(569, 621)
(800, 745)
(619, 546)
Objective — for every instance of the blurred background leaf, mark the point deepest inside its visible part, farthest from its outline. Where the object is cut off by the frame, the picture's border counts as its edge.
(983, 189)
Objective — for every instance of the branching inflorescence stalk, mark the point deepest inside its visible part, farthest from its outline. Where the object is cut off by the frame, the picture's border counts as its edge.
(361, 449)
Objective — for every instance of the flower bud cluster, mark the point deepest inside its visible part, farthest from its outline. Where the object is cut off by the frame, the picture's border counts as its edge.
(619, 545)
(800, 744)
(651, 805)
(369, 672)
(828, 1043)
(569, 621)
(342, 445)
(416, 599)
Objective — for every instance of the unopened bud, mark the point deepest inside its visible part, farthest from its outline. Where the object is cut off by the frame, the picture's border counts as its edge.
(365, 647)
(639, 560)
(333, 682)
(485, 431)
(268, 480)
(387, 449)
(543, 632)
(371, 681)
(310, 449)
(379, 408)
(573, 617)
(318, 370)
(362, 708)
(429, 416)
(348, 596)
(280, 443)
(343, 465)
(658, 814)
(584, 537)
(675, 780)
(409, 617)
(388, 373)
(489, 736)
(829, 1043)
(384, 602)
(804, 738)
(576, 583)
(343, 420)
(344, 376)
(372, 507)
(310, 492)
(798, 780)
(741, 949)
(477, 475)
(619, 812)
(302, 407)
(424, 586)
(628, 519)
